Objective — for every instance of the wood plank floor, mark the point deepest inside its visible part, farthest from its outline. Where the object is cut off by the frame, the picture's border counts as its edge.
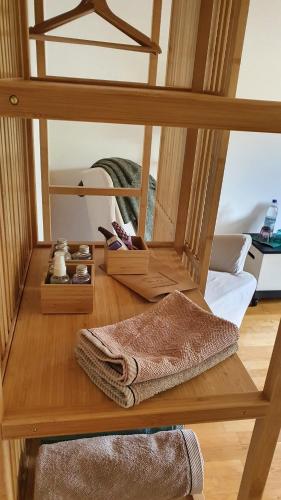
(225, 444)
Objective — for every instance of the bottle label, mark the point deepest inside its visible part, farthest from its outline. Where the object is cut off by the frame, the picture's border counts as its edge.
(270, 222)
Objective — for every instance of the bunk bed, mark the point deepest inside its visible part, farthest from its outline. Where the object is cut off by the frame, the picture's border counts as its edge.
(44, 391)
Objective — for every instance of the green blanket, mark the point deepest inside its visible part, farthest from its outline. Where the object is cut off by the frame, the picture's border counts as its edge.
(127, 174)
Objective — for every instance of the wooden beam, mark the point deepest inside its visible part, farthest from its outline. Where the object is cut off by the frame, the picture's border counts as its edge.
(59, 101)
(92, 191)
(198, 410)
(106, 83)
(147, 143)
(265, 433)
(94, 43)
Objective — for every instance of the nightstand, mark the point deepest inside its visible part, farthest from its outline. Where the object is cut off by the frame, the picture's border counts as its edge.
(264, 263)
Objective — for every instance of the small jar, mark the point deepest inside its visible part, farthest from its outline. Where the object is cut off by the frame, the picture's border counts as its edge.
(83, 253)
(81, 275)
(62, 241)
(65, 249)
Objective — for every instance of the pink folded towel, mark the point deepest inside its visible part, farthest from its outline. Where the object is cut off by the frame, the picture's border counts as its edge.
(174, 335)
(162, 466)
(144, 355)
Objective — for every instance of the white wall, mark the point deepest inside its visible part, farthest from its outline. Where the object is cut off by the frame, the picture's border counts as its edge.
(74, 146)
(253, 168)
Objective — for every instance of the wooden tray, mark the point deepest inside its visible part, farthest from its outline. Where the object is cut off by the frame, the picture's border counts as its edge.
(56, 299)
(128, 262)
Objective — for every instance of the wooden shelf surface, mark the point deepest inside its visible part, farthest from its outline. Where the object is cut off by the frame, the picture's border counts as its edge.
(47, 393)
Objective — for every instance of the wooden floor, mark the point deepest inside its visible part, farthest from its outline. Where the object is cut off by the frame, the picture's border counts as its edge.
(225, 444)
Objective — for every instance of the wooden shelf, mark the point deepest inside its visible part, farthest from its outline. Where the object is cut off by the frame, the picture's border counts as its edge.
(47, 393)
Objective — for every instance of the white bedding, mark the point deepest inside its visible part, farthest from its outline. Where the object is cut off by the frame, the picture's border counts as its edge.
(229, 295)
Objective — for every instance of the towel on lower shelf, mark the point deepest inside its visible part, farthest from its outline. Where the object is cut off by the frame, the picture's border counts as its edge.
(171, 343)
(137, 467)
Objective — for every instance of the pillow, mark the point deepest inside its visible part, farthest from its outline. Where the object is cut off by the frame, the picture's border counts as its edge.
(229, 252)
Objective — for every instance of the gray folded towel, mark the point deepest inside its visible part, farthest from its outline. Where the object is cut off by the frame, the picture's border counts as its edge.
(159, 466)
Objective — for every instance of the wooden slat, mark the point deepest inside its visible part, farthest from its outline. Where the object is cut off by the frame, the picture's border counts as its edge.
(108, 83)
(43, 129)
(181, 53)
(191, 143)
(28, 132)
(15, 234)
(91, 191)
(147, 143)
(239, 19)
(94, 43)
(204, 161)
(60, 101)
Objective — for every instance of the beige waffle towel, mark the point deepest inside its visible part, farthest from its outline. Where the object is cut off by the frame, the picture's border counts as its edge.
(133, 394)
(141, 356)
(159, 466)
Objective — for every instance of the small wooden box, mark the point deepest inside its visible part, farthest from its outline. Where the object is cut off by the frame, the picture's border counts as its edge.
(74, 247)
(128, 262)
(69, 298)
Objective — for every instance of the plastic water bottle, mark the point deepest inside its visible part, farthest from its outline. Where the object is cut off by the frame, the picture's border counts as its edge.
(270, 218)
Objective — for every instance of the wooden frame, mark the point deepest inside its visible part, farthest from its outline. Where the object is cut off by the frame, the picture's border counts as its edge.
(229, 392)
(48, 190)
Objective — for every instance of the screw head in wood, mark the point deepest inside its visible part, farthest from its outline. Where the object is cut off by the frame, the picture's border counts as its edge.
(14, 100)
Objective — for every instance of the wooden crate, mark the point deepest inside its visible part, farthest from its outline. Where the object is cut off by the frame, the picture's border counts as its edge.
(130, 262)
(56, 299)
(73, 247)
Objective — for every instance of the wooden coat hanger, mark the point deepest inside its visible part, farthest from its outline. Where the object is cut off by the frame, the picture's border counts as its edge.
(101, 8)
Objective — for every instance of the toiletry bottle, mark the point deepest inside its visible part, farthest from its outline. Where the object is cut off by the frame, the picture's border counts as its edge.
(59, 277)
(112, 241)
(81, 275)
(82, 254)
(52, 265)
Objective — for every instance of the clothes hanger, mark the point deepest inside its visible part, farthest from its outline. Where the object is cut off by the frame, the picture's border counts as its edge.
(101, 8)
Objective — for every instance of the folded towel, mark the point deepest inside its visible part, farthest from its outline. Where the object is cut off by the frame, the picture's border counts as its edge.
(174, 335)
(171, 343)
(130, 395)
(159, 466)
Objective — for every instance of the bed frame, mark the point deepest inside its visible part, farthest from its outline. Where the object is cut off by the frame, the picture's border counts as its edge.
(43, 391)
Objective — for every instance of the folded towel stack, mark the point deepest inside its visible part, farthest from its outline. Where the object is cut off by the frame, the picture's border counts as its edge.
(136, 467)
(173, 342)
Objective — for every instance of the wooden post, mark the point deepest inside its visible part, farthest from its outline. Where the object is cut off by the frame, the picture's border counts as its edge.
(191, 143)
(221, 143)
(266, 432)
(43, 129)
(179, 72)
(152, 76)
(29, 145)
(217, 60)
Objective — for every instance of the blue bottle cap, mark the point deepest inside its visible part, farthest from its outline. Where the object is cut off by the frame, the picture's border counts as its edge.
(274, 201)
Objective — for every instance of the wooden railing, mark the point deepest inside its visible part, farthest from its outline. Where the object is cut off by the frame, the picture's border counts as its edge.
(16, 238)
